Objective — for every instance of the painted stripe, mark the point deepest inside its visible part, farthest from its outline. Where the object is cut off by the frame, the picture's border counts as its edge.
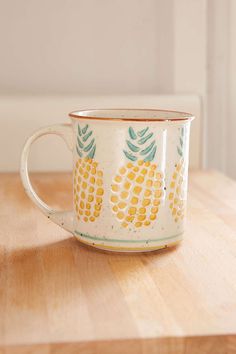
(123, 249)
(124, 241)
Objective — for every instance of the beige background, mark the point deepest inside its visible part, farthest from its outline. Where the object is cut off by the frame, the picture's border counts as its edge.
(86, 46)
(133, 47)
(25, 114)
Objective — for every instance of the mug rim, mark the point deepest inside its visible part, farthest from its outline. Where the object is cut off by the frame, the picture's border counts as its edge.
(177, 115)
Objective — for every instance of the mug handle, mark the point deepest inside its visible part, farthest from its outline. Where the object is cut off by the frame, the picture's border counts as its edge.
(62, 218)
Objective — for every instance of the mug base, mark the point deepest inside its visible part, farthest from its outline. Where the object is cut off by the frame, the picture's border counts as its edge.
(142, 247)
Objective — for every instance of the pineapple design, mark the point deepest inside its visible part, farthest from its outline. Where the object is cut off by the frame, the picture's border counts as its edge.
(177, 186)
(88, 178)
(137, 189)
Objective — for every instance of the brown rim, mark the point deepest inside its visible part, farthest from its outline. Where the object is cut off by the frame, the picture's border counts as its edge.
(183, 116)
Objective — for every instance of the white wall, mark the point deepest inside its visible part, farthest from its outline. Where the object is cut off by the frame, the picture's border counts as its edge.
(222, 85)
(22, 115)
(128, 47)
(86, 46)
(231, 124)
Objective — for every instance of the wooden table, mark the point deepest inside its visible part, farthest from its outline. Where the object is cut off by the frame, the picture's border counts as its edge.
(58, 296)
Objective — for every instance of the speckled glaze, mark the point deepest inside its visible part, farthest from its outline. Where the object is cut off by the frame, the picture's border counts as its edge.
(130, 172)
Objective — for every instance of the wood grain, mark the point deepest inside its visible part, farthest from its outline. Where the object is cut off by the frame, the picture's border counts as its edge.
(59, 296)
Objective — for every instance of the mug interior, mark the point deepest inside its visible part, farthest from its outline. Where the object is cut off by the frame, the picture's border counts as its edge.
(132, 115)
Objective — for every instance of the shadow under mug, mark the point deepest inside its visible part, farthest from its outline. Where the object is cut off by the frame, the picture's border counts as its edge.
(130, 173)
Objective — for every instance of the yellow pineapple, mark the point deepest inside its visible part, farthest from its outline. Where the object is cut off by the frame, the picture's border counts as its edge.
(88, 178)
(177, 193)
(137, 188)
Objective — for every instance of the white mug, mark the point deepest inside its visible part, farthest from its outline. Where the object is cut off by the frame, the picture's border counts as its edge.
(130, 173)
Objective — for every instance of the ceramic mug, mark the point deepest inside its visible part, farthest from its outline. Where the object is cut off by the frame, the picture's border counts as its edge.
(130, 173)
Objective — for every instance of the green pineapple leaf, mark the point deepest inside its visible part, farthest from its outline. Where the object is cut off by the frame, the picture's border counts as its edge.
(132, 147)
(85, 129)
(145, 139)
(132, 134)
(179, 151)
(86, 146)
(152, 154)
(142, 132)
(78, 151)
(81, 145)
(148, 148)
(89, 146)
(85, 138)
(130, 156)
(180, 147)
(79, 130)
(142, 149)
(92, 152)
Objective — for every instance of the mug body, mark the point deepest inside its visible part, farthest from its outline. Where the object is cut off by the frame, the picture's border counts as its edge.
(130, 173)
